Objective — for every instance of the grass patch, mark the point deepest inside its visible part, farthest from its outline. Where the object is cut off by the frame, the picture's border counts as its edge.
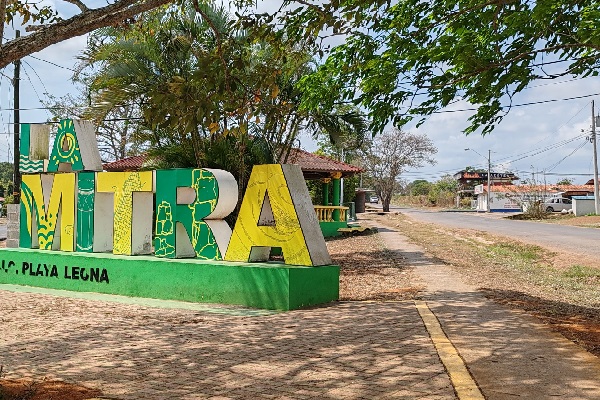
(582, 273)
(515, 251)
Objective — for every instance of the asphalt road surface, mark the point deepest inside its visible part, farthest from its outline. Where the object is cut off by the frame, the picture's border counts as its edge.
(573, 239)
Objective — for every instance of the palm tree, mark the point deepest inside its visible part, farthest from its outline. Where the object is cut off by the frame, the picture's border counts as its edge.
(208, 95)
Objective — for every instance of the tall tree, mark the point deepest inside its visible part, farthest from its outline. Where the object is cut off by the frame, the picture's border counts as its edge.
(194, 74)
(565, 181)
(419, 187)
(6, 171)
(389, 156)
(197, 75)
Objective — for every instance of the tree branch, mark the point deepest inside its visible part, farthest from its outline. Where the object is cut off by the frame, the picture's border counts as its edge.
(78, 25)
(79, 5)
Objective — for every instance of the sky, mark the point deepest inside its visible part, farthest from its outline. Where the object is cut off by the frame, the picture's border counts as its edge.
(544, 141)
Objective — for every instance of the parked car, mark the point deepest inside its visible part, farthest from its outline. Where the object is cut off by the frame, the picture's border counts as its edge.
(374, 199)
(557, 204)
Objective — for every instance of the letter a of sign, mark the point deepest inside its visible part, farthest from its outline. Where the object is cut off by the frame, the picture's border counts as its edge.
(75, 144)
(289, 223)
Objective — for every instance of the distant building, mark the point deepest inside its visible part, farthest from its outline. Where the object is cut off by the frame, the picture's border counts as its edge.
(510, 198)
(469, 180)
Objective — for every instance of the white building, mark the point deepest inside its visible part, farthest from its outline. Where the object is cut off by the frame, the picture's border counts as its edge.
(511, 198)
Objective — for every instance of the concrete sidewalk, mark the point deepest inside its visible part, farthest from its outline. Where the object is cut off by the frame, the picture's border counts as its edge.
(346, 350)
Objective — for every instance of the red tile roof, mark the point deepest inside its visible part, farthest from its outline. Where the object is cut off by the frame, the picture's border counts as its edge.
(540, 188)
(313, 166)
(126, 164)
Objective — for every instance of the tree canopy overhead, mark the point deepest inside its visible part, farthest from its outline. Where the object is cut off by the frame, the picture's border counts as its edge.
(410, 58)
(399, 60)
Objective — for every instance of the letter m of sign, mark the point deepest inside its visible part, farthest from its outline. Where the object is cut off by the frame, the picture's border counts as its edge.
(47, 211)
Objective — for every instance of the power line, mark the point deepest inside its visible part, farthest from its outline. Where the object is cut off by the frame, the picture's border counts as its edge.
(499, 161)
(52, 63)
(521, 105)
(536, 152)
(565, 123)
(28, 108)
(556, 164)
(33, 86)
(528, 87)
(38, 76)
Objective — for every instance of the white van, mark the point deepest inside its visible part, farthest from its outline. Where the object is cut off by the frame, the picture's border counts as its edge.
(557, 204)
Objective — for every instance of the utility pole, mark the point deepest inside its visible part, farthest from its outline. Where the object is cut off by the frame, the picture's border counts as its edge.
(489, 179)
(596, 199)
(17, 129)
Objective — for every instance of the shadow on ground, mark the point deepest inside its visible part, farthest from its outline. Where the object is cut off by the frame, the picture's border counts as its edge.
(345, 350)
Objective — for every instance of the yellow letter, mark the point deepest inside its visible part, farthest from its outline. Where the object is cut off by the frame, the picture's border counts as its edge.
(277, 212)
(132, 222)
(40, 211)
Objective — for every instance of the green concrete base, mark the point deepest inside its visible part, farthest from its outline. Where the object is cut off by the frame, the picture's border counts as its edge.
(259, 285)
(330, 229)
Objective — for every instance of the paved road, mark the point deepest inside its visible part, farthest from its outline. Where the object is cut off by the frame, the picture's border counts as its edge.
(568, 238)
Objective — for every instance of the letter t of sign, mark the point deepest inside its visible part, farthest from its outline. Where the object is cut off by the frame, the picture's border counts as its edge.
(129, 194)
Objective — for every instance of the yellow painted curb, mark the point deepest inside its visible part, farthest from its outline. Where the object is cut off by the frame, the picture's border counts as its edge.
(464, 385)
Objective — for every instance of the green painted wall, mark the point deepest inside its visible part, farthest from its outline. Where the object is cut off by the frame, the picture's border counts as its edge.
(329, 229)
(260, 285)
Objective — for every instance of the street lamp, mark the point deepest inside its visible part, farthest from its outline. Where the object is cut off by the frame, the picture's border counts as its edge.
(489, 175)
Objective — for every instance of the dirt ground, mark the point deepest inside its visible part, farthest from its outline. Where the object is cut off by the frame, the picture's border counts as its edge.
(26, 389)
(368, 271)
(591, 221)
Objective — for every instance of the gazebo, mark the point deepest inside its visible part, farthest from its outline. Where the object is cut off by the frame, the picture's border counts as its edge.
(332, 215)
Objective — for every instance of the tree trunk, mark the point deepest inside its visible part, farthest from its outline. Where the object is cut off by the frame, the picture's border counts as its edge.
(386, 204)
(2, 19)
